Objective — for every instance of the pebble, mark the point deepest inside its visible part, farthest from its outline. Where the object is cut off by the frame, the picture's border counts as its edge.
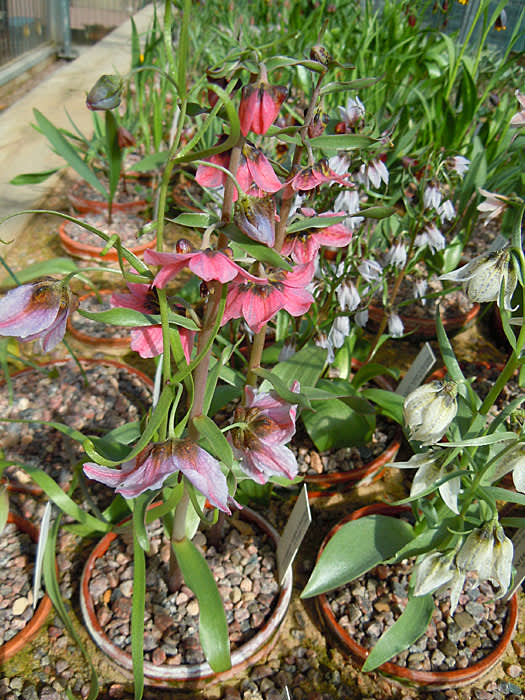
(513, 670)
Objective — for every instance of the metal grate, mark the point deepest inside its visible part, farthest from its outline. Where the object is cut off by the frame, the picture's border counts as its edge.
(92, 19)
(23, 26)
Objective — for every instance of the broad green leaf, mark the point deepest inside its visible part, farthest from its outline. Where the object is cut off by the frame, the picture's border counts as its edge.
(306, 366)
(32, 178)
(369, 371)
(499, 494)
(355, 548)
(217, 443)
(192, 220)
(213, 628)
(66, 151)
(338, 142)
(376, 212)
(307, 222)
(222, 396)
(151, 162)
(408, 628)
(131, 318)
(391, 404)
(335, 424)
(255, 250)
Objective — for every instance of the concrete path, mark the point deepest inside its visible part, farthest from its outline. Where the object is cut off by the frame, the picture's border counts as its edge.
(23, 149)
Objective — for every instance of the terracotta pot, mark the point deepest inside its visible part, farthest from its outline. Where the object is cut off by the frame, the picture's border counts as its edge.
(14, 645)
(85, 205)
(88, 252)
(425, 327)
(432, 679)
(195, 675)
(31, 489)
(337, 482)
(117, 343)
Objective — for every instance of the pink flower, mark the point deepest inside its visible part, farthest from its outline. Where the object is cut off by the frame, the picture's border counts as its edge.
(259, 445)
(147, 340)
(254, 168)
(313, 176)
(260, 105)
(157, 462)
(37, 310)
(207, 264)
(304, 245)
(257, 300)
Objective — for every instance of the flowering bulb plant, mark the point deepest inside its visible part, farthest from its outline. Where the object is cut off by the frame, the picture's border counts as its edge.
(463, 445)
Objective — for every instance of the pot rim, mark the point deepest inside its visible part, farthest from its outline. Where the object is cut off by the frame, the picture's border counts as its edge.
(188, 672)
(27, 633)
(122, 342)
(84, 204)
(426, 326)
(434, 679)
(91, 251)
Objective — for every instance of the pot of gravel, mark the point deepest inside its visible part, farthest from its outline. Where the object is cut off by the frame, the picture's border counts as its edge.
(456, 650)
(244, 564)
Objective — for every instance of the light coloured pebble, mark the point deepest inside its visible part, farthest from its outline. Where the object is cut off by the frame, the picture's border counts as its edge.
(19, 606)
(193, 607)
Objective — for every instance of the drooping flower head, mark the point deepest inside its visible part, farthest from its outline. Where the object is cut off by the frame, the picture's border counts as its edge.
(484, 276)
(38, 310)
(259, 444)
(260, 104)
(519, 118)
(429, 410)
(157, 462)
(303, 246)
(256, 218)
(314, 175)
(493, 205)
(257, 299)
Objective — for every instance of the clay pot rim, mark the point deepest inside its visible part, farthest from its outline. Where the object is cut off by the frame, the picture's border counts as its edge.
(433, 679)
(426, 327)
(80, 250)
(27, 633)
(36, 490)
(84, 204)
(122, 342)
(356, 476)
(255, 647)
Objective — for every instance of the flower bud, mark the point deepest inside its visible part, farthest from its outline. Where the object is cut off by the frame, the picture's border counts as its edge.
(255, 216)
(502, 557)
(513, 461)
(125, 138)
(429, 410)
(432, 572)
(476, 552)
(320, 54)
(105, 94)
(183, 246)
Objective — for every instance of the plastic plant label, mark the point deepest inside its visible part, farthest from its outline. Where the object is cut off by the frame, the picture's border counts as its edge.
(286, 694)
(519, 562)
(294, 532)
(418, 370)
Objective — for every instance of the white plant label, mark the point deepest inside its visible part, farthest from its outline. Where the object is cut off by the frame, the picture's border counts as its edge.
(418, 370)
(519, 561)
(294, 532)
(286, 694)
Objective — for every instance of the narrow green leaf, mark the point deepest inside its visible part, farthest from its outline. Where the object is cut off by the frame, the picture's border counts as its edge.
(213, 628)
(338, 142)
(137, 616)
(4, 507)
(408, 628)
(54, 266)
(32, 178)
(391, 404)
(499, 494)
(114, 153)
(130, 318)
(217, 443)
(348, 85)
(376, 212)
(447, 353)
(308, 222)
(365, 542)
(255, 250)
(282, 389)
(483, 440)
(192, 220)
(140, 506)
(40, 551)
(151, 162)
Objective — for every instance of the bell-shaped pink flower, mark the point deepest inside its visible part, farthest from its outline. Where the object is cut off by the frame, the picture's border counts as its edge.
(315, 175)
(207, 264)
(259, 445)
(156, 462)
(38, 310)
(260, 105)
(147, 340)
(257, 299)
(303, 246)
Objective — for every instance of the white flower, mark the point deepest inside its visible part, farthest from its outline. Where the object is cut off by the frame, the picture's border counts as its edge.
(432, 197)
(429, 410)
(288, 350)
(339, 164)
(494, 204)
(354, 111)
(484, 275)
(513, 461)
(339, 330)
(395, 325)
(446, 211)
(502, 556)
(433, 571)
(297, 204)
(347, 296)
(459, 164)
(347, 201)
(373, 173)
(420, 289)
(370, 270)
(361, 318)
(432, 237)
(323, 341)
(519, 118)
(456, 586)
(476, 552)
(397, 255)
(429, 472)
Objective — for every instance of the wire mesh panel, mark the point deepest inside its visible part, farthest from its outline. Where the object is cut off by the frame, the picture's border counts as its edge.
(92, 19)
(23, 26)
